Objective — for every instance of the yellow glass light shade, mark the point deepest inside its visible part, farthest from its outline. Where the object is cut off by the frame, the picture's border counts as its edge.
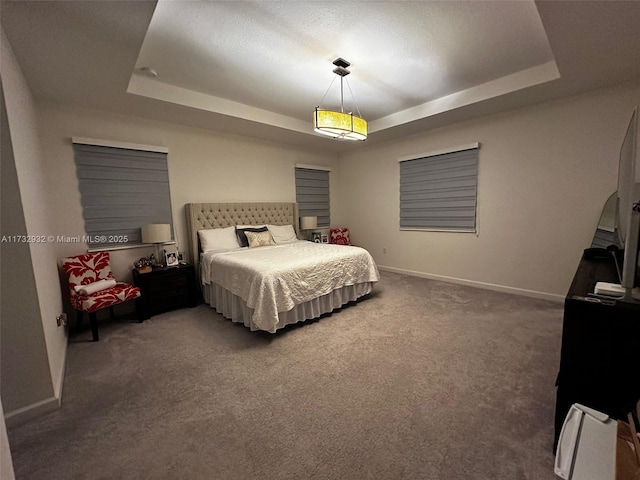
(340, 125)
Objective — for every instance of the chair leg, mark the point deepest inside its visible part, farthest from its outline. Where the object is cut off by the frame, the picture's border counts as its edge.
(79, 314)
(112, 312)
(94, 325)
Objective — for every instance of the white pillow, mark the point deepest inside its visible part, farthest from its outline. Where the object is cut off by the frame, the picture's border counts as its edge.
(218, 239)
(94, 287)
(282, 233)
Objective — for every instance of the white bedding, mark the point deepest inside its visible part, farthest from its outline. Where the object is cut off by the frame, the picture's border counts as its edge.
(276, 278)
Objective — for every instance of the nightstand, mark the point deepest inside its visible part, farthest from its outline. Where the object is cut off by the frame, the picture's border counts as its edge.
(164, 289)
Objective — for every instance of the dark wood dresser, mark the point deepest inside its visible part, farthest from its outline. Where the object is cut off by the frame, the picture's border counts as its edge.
(600, 356)
(165, 289)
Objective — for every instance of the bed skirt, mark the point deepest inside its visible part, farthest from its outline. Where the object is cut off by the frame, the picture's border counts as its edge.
(234, 308)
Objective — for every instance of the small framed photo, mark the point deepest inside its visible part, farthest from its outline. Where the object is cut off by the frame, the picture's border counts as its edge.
(181, 257)
(316, 237)
(325, 238)
(171, 259)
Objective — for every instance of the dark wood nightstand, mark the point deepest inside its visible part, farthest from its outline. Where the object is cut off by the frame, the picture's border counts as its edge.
(164, 289)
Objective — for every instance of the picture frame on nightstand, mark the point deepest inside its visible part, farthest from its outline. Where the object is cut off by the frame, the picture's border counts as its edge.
(316, 237)
(171, 259)
(325, 238)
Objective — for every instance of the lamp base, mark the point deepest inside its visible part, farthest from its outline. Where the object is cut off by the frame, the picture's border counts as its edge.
(158, 261)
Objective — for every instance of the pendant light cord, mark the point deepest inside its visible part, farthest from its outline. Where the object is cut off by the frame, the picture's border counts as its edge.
(354, 99)
(342, 78)
(325, 93)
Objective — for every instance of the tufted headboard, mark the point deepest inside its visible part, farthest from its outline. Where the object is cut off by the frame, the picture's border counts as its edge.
(202, 216)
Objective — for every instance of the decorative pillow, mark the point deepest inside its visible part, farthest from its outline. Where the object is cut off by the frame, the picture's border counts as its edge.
(218, 239)
(340, 236)
(242, 238)
(94, 287)
(259, 239)
(282, 233)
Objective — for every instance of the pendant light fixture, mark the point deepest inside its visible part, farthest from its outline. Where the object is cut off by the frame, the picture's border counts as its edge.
(340, 125)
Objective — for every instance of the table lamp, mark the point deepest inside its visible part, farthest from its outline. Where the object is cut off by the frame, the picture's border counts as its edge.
(157, 233)
(308, 223)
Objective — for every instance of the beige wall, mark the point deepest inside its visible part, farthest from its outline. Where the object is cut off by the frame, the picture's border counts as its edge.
(23, 353)
(33, 346)
(545, 173)
(204, 166)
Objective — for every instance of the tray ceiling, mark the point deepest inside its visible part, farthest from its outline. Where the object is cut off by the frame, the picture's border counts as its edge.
(259, 68)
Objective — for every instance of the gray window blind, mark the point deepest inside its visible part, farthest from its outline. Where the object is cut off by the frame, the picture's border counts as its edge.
(439, 192)
(121, 190)
(312, 194)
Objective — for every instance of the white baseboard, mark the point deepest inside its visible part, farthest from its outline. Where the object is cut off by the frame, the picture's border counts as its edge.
(57, 392)
(24, 414)
(472, 283)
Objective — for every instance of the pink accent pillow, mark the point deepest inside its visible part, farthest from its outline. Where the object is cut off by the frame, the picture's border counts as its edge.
(340, 236)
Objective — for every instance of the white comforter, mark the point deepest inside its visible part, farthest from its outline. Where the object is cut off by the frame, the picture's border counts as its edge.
(275, 278)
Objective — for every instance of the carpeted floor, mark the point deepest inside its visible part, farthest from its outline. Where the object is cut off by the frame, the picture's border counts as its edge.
(422, 380)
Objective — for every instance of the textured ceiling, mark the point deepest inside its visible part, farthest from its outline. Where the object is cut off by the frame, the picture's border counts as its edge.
(259, 68)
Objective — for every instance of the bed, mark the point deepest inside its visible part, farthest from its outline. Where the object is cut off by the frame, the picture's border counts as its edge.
(270, 286)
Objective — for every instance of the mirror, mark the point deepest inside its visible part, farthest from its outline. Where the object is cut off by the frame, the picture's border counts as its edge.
(606, 232)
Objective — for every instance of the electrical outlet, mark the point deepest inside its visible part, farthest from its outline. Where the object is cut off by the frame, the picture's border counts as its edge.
(61, 319)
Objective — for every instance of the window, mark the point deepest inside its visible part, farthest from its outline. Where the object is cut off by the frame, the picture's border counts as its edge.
(122, 188)
(312, 193)
(439, 191)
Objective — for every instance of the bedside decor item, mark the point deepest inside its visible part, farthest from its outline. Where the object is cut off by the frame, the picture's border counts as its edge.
(316, 237)
(340, 125)
(306, 224)
(158, 234)
(325, 238)
(143, 265)
(171, 259)
(340, 236)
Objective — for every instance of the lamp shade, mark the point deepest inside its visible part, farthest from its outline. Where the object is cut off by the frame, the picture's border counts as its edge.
(308, 223)
(340, 125)
(156, 233)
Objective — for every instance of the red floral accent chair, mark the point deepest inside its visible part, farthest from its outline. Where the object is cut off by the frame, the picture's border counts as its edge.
(92, 271)
(340, 236)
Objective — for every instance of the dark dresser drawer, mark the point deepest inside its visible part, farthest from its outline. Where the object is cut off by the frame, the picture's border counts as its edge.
(165, 289)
